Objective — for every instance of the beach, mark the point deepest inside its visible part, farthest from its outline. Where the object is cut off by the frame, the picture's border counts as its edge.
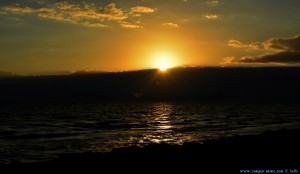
(271, 150)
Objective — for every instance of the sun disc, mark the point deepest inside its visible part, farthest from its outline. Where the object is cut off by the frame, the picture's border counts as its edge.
(163, 67)
(164, 60)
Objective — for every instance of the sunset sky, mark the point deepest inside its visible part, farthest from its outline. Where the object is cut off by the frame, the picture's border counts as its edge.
(48, 36)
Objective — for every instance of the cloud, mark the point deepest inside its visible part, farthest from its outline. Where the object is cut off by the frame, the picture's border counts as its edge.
(129, 25)
(65, 6)
(286, 51)
(17, 8)
(248, 45)
(99, 25)
(142, 9)
(86, 14)
(213, 2)
(282, 57)
(288, 44)
(229, 60)
(211, 16)
(170, 24)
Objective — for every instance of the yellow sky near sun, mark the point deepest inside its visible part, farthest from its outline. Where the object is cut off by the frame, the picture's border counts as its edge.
(146, 49)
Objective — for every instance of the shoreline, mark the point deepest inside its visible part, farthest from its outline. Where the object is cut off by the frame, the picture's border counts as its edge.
(269, 150)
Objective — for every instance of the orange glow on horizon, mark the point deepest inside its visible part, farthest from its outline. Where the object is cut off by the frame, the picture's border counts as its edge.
(163, 60)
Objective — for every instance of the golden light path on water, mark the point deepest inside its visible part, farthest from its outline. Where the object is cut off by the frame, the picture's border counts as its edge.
(160, 128)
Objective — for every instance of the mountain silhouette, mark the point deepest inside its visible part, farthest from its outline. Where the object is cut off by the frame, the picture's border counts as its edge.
(192, 83)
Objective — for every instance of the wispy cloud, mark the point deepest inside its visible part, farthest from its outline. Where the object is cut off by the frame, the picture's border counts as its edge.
(142, 9)
(170, 24)
(247, 45)
(213, 2)
(65, 6)
(229, 60)
(211, 16)
(285, 51)
(129, 25)
(83, 13)
(17, 8)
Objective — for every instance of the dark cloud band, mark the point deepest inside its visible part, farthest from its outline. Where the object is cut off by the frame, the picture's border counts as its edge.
(286, 51)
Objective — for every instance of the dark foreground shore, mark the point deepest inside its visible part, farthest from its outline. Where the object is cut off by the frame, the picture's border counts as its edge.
(273, 151)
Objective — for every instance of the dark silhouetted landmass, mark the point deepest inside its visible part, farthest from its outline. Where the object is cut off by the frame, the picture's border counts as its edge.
(7, 74)
(271, 83)
(273, 150)
(85, 72)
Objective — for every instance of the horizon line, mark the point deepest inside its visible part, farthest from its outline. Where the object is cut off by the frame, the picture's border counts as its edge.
(83, 72)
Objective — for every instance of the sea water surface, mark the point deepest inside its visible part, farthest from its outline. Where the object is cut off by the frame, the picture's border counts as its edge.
(31, 132)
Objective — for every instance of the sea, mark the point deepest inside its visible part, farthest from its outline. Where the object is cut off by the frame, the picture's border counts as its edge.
(33, 132)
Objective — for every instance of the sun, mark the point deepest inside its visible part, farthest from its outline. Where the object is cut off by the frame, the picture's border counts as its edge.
(164, 60)
(163, 67)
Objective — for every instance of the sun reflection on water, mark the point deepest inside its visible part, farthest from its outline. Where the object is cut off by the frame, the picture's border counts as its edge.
(161, 113)
(160, 126)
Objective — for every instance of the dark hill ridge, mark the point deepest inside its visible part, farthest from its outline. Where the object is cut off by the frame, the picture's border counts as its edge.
(4, 74)
(269, 83)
